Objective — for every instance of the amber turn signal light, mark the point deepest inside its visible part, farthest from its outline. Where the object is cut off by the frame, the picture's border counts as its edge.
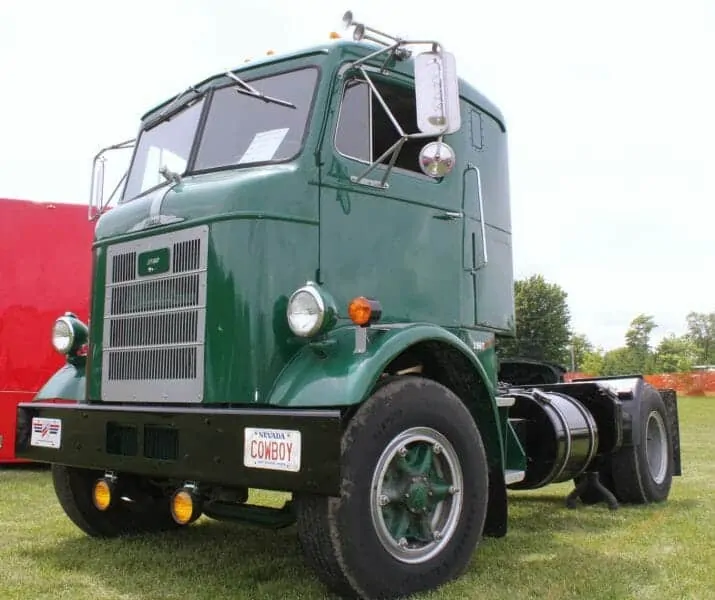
(185, 506)
(102, 494)
(364, 311)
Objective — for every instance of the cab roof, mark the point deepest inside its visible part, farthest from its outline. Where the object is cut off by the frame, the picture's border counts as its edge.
(341, 50)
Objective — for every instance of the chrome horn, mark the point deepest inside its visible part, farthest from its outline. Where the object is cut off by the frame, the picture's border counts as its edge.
(361, 31)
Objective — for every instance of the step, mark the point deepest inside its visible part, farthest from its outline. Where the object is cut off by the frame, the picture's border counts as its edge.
(513, 476)
(505, 401)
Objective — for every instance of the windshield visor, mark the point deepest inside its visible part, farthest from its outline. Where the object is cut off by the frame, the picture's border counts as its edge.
(168, 144)
(242, 129)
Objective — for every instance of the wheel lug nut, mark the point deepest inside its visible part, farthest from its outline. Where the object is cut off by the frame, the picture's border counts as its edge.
(453, 490)
(437, 448)
(383, 500)
(437, 535)
(402, 451)
(402, 543)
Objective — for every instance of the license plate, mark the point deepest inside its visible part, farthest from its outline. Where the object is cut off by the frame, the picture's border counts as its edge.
(275, 449)
(46, 433)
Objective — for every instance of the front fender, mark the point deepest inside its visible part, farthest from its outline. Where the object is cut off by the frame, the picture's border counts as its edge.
(66, 384)
(330, 373)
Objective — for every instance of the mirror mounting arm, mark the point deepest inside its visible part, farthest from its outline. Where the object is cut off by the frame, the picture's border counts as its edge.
(360, 61)
(96, 192)
(397, 49)
(393, 158)
(394, 150)
(437, 99)
(382, 102)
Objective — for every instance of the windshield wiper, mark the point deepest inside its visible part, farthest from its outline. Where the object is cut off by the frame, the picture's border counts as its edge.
(249, 90)
(171, 105)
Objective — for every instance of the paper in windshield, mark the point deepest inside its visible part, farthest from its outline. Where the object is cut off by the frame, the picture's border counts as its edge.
(264, 146)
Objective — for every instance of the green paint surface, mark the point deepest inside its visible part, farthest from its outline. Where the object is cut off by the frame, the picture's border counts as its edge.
(66, 384)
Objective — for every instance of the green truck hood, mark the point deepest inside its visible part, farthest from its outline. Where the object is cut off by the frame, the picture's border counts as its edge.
(261, 191)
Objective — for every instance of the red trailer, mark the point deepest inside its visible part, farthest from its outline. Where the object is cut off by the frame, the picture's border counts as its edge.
(45, 267)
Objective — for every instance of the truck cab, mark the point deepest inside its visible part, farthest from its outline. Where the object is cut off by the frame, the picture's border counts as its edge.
(274, 192)
(299, 290)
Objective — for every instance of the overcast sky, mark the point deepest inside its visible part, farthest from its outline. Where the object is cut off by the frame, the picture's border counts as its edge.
(610, 108)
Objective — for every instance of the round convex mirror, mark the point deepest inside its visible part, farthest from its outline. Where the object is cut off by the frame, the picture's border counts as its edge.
(437, 159)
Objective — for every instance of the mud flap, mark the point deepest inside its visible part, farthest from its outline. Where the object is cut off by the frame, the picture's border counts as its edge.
(670, 399)
(495, 524)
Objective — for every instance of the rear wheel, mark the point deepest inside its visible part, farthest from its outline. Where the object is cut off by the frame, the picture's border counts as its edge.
(144, 514)
(413, 497)
(643, 472)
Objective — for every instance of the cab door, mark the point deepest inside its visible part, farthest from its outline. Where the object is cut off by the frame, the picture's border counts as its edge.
(399, 243)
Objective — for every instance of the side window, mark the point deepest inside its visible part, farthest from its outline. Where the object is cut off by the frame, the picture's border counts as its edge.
(352, 138)
(365, 131)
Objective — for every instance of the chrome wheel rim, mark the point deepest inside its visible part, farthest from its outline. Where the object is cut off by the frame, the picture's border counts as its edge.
(416, 495)
(656, 447)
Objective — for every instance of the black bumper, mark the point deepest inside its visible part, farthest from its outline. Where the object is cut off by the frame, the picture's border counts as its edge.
(198, 444)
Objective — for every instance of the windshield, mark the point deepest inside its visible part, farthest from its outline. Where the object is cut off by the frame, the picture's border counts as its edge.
(243, 129)
(166, 145)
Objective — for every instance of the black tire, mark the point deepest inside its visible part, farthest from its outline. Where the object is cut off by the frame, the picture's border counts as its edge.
(340, 535)
(633, 478)
(73, 487)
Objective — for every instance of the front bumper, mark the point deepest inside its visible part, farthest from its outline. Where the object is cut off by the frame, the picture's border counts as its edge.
(275, 449)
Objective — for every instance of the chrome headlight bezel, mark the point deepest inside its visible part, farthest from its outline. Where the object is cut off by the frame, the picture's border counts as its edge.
(324, 310)
(68, 334)
(75, 334)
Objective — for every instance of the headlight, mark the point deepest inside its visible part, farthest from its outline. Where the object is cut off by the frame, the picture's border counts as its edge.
(68, 334)
(306, 311)
(62, 335)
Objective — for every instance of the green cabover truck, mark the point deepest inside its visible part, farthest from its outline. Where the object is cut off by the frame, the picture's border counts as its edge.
(299, 290)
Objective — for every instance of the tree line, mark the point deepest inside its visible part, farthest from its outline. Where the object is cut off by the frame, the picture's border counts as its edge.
(544, 332)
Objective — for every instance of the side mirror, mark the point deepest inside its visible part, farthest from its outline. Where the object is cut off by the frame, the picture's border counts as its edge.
(437, 93)
(436, 159)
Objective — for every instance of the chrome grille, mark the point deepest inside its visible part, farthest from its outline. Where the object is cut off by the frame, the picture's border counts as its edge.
(123, 267)
(187, 256)
(156, 295)
(165, 363)
(155, 329)
(155, 316)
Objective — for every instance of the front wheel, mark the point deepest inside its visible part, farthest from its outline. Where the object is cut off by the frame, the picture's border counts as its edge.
(413, 497)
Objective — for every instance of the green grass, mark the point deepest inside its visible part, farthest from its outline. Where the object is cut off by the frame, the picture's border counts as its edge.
(663, 551)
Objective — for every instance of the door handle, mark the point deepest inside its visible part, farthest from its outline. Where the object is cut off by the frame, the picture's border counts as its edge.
(482, 218)
(448, 215)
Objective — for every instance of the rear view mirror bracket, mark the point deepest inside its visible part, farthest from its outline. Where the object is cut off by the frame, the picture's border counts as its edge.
(436, 90)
